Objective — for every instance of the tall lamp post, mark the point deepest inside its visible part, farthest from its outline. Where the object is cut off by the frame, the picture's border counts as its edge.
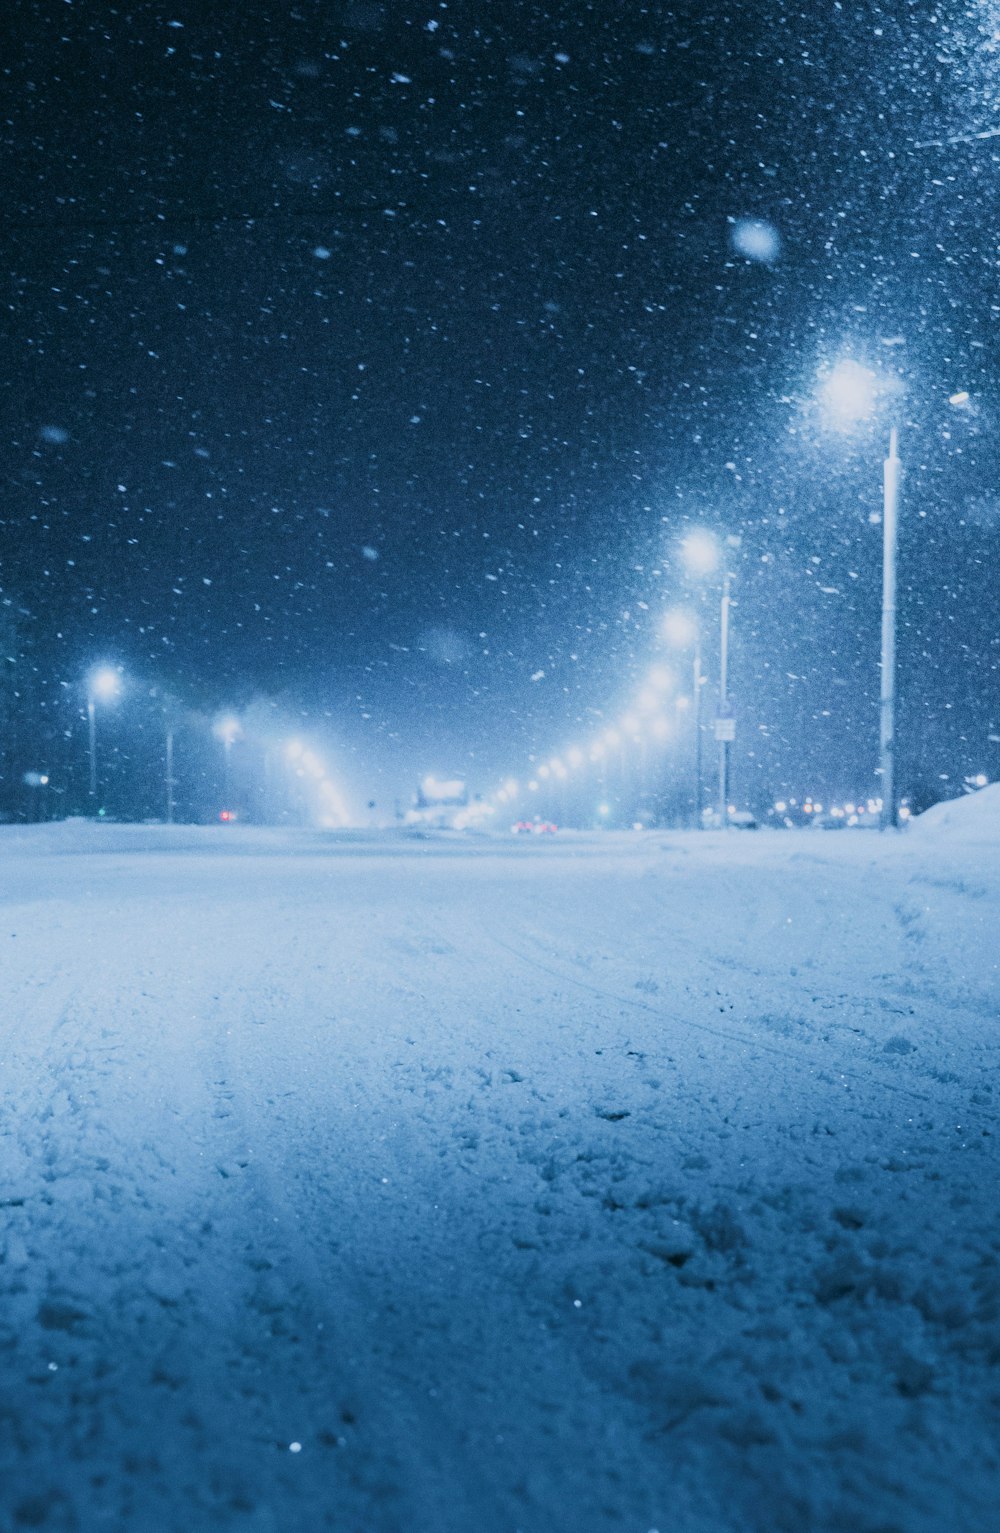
(851, 394)
(173, 716)
(103, 684)
(169, 777)
(227, 729)
(887, 686)
(701, 552)
(725, 728)
(682, 629)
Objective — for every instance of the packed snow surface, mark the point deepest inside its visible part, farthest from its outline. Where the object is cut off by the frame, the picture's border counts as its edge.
(438, 1185)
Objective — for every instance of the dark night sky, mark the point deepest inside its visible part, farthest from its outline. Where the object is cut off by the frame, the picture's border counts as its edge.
(371, 358)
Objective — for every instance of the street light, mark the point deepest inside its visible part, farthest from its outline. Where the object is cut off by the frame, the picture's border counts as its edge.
(103, 683)
(702, 554)
(851, 394)
(228, 729)
(700, 551)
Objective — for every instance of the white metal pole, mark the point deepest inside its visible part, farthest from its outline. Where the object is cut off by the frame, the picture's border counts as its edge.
(92, 746)
(697, 730)
(887, 689)
(170, 777)
(724, 703)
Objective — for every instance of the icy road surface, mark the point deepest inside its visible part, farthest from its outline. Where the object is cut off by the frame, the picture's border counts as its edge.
(605, 1184)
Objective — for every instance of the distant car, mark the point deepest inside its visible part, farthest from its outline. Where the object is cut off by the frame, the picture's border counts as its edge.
(828, 822)
(544, 828)
(738, 819)
(533, 828)
(522, 828)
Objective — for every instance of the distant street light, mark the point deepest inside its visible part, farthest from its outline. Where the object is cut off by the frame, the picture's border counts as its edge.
(682, 629)
(103, 684)
(850, 392)
(702, 554)
(700, 551)
(228, 729)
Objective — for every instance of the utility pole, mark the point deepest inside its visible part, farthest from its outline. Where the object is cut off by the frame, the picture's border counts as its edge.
(697, 730)
(170, 776)
(887, 689)
(724, 724)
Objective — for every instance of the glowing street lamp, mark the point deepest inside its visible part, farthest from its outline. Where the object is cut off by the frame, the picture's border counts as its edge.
(661, 678)
(849, 392)
(228, 729)
(680, 627)
(700, 551)
(103, 684)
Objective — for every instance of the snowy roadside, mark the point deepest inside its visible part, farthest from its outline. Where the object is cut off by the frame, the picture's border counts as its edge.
(618, 1183)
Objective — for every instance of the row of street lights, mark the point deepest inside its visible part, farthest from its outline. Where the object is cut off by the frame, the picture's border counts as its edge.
(647, 723)
(850, 394)
(319, 791)
(104, 685)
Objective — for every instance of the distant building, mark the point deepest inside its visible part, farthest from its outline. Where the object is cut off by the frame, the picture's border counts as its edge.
(444, 804)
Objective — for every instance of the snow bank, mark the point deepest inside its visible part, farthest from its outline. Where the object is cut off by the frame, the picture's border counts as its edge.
(975, 816)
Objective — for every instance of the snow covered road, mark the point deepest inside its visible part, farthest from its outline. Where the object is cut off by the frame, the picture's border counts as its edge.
(614, 1183)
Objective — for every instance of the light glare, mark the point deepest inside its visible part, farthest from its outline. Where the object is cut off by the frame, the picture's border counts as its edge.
(700, 551)
(105, 682)
(849, 392)
(679, 627)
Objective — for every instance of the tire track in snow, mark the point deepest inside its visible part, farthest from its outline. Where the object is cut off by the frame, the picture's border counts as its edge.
(340, 1379)
(436, 1361)
(743, 1038)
